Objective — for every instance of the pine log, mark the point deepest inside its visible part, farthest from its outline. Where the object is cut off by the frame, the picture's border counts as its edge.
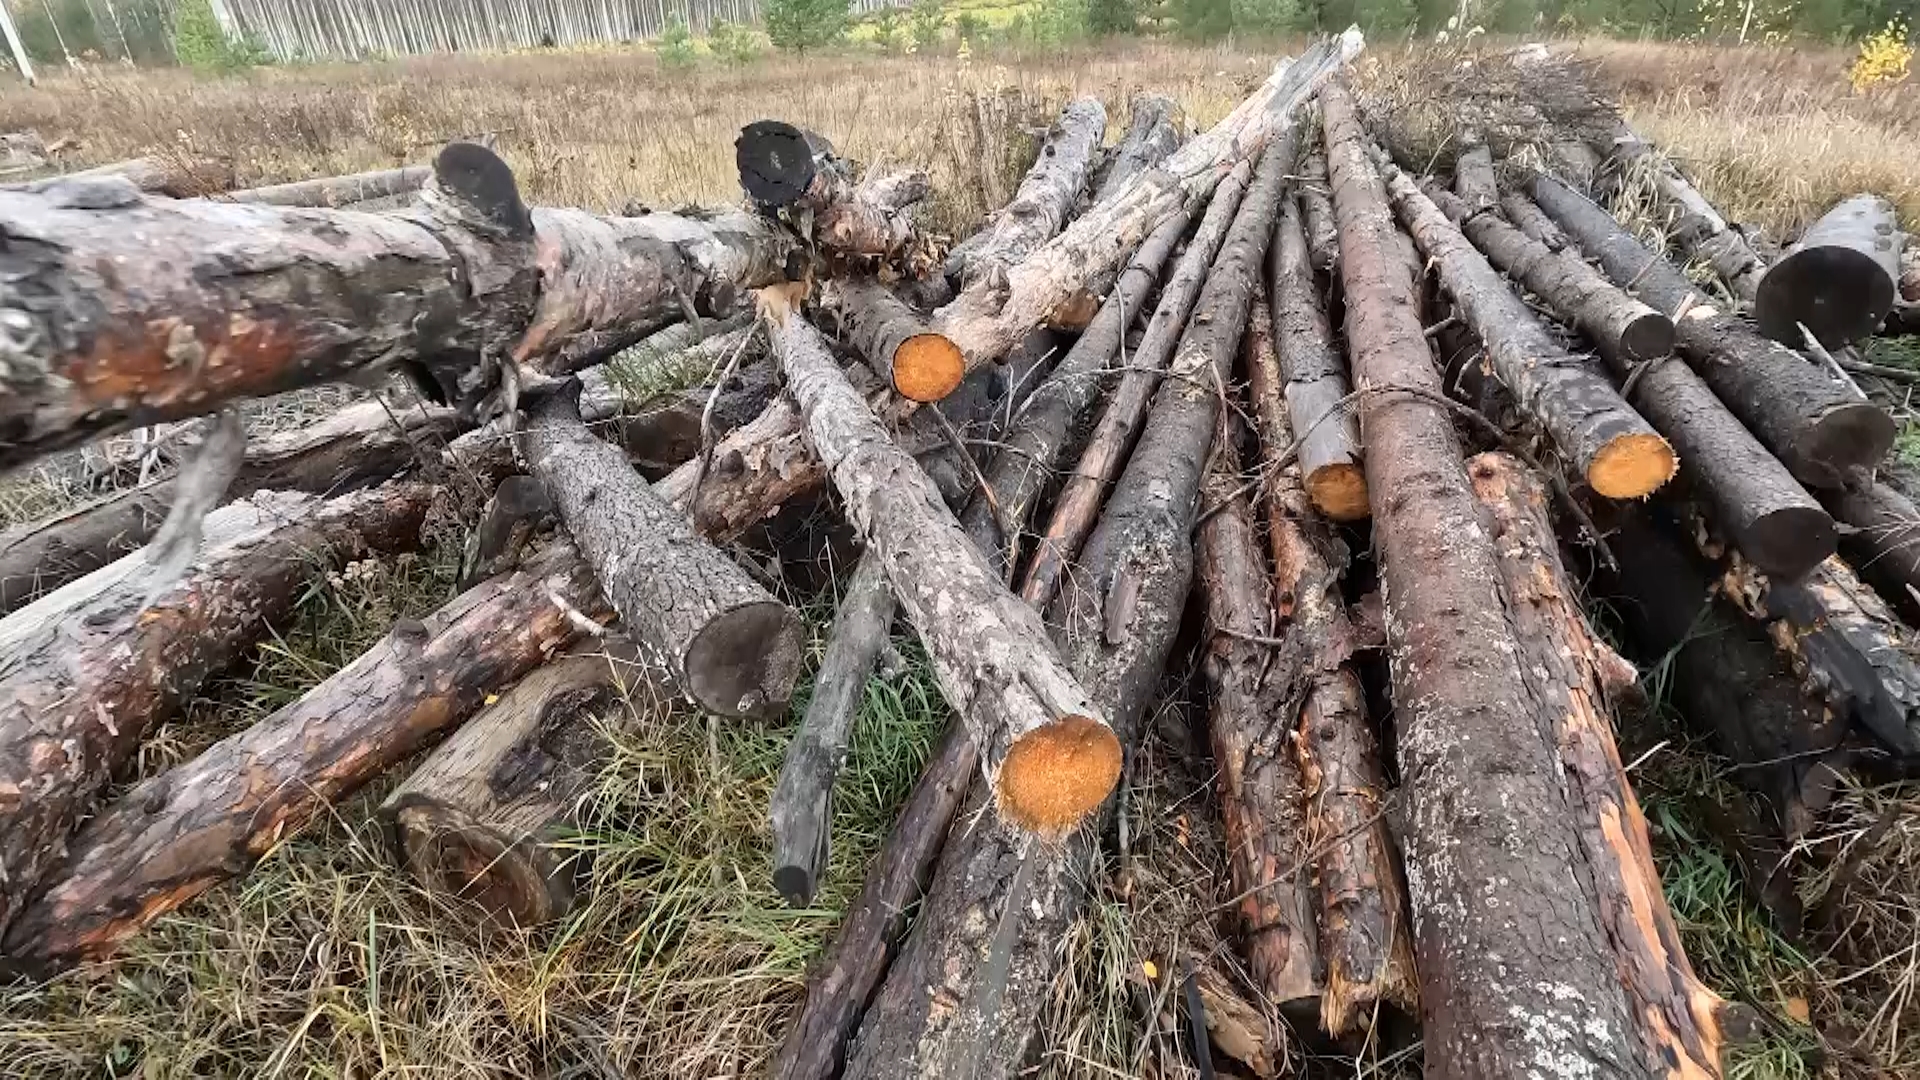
(1526, 987)
(176, 176)
(1053, 758)
(1839, 281)
(1365, 941)
(1045, 198)
(619, 344)
(338, 191)
(1606, 443)
(729, 645)
(1575, 163)
(1691, 221)
(486, 817)
(1315, 377)
(783, 167)
(1154, 131)
(87, 671)
(1316, 204)
(1818, 428)
(1767, 513)
(1077, 506)
(1884, 543)
(1527, 216)
(1473, 179)
(358, 445)
(918, 363)
(802, 807)
(1676, 1018)
(176, 835)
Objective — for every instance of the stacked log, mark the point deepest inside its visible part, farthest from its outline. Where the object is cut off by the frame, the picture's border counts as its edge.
(1839, 282)
(338, 191)
(1691, 221)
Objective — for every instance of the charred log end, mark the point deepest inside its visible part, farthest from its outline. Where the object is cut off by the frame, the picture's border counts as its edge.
(448, 853)
(927, 367)
(775, 160)
(1076, 311)
(794, 884)
(484, 186)
(745, 661)
(1632, 466)
(1650, 336)
(1339, 491)
(1057, 774)
(1839, 293)
(1789, 541)
(1857, 434)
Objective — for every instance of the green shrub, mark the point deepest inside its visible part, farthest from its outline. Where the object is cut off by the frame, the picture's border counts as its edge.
(199, 43)
(1112, 17)
(1055, 22)
(800, 25)
(887, 30)
(676, 48)
(733, 43)
(971, 29)
(928, 22)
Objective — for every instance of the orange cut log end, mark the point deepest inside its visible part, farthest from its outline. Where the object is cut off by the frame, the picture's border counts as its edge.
(1057, 774)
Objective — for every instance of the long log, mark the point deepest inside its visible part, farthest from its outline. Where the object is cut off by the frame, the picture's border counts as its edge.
(87, 671)
(1674, 1015)
(1474, 182)
(176, 835)
(1527, 216)
(802, 804)
(916, 361)
(1053, 758)
(1884, 543)
(338, 191)
(1767, 513)
(1818, 428)
(176, 176)
(1043, 202)
(486, 818)
(358, 445)
(1077, 506)
(1692, 223)
(1154, 130)
(1365, 941)
(728, 644)
(1315, 378)
(1316, 208)
(1839, 281)
(1524, 986)
(1607, 444)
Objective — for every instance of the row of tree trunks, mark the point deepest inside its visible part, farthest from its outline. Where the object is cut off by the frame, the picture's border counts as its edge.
(1523, 985)
(1051, 754)
(1607, 444)
(1691, 221)
(176, 176)
(1365, 943)
(338, 191)
(363, 443)
(175, 332)
(1315, 376)
(90, 668)
(1044, 200)
(176, 835)
(1818, 428)
(1155, 129)
(785, 168)
(1768, 514)
(1839, 281)
(1077, 505)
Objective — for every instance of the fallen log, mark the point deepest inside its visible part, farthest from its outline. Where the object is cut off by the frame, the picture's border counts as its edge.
(1884, 543)
(1527, 216)
(1607, 444)
(917, 362)
(356, 446)
(176, 835)
(1818, 428)
(177, 176)
(1839, 281)
(1692, 223)
(1473, 180)
(1315, 377)
(728, 644)
(1044, 200)
(802, 805)
(1153, 132)
(486, 817)
(1364, 939)
(1053, 758)
(1483, 791)
(783, 167)
(1767, 513)
(338, 191)
(1676, 1018)
(514, 515)
(87, 671)
(1575, 163)
(1316, 206)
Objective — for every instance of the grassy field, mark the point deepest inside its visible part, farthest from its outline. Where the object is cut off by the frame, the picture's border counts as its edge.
(684, 963)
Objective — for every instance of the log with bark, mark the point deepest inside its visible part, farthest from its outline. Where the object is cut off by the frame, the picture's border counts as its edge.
(917, 362)
(1691, 221)
(176, 176)
(786, 168)
(729, 645)
(1315, 377)
(1474, 182)
(1818, 428)
(1365, 942)
(338, 191)
(1525, 986)
(1316, 206)
(1677, 1019)
(1884, 542)
(1154, 131)
(1044, 200)
(1767, 513)
(88, 670)
(1607, 443)
(1839, 281)
(1527, 216)
(176, 835)
(1052, 756)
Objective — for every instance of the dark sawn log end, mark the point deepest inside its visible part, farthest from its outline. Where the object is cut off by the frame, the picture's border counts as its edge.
(744, 662)
(776, 162)
(484, 185)
(1648, 337)
(517, 885)
(1789, 541)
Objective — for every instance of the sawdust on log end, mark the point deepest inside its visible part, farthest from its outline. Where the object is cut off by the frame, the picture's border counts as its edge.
(1057, 774)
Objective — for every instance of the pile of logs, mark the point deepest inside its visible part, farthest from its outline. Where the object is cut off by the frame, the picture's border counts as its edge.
(1207, 368)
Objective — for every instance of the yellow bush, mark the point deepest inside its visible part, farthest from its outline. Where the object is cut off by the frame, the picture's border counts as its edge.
(1883, 58)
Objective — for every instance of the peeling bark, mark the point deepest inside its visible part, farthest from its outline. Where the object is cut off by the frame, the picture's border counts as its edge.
(1154, 123)
(1315, 379)
(1045, 198)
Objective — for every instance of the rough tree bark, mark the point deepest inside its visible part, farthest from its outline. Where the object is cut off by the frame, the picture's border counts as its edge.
(1606, 443)
(802, 805)
(1473, 179)
(484, 818)
(1527, 986)
(1839, 281)
(1077, 506)
(87, 671)
(176, 176)
(1365, 942)
(1053, 758)
(783, 167)
(1153, 132)
(1316, 204)
(1315, 378)
(1772, 519)
(917, 362)
(1527, 216)
(338, 191)
(1884, 544)
(729, 645)
(176, 835)
(1692, 222)
(1045, 197)
(1818, 428)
